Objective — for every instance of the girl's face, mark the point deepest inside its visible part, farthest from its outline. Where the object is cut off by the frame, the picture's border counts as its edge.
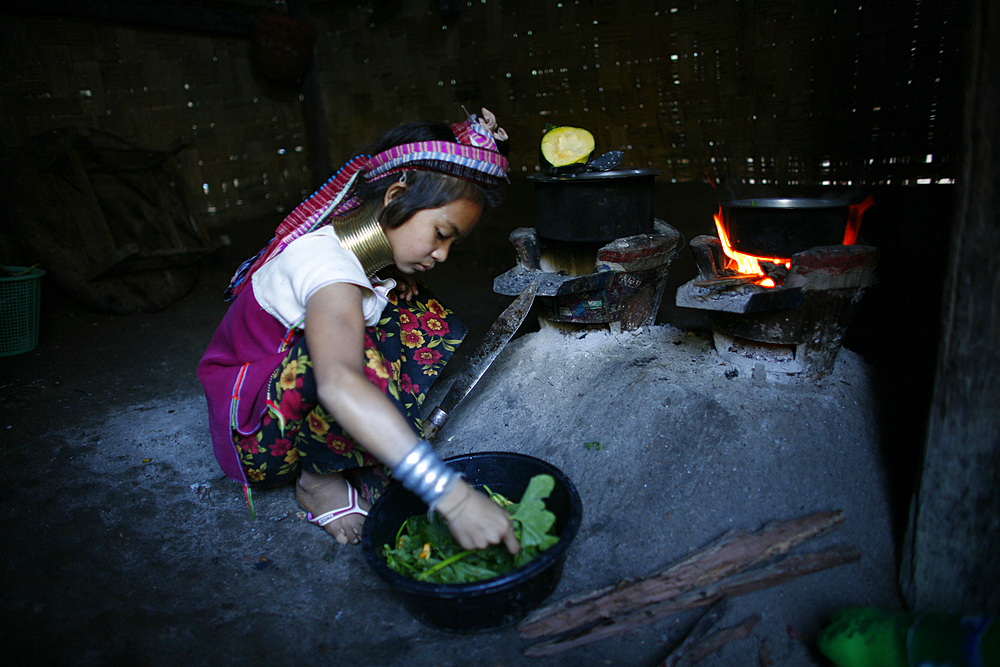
(426, 238)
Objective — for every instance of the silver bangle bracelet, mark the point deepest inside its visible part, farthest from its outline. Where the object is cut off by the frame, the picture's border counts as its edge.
(425, 474)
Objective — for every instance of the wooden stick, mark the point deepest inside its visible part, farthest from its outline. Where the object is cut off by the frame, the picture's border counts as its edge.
(746, 582)
(728, 281)
(699, 632)
(734, 552)
(717, 640)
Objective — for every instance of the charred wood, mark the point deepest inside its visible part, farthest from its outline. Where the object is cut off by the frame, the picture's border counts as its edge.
(774, 574)
(731, 554)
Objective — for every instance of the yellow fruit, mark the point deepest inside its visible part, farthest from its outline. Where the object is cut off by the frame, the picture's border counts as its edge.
(564, 145)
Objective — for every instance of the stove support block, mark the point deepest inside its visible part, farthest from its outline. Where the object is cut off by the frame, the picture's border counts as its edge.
(795, 328)
(624, 290)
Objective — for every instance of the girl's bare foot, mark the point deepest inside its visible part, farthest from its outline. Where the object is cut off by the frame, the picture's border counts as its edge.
(332, 494)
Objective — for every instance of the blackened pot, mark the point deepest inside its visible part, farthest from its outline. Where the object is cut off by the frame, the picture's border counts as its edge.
(783, 227)
(594, 205)
(480, 605)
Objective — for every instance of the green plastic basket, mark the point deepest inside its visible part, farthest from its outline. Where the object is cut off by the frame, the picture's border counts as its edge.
(20, 298)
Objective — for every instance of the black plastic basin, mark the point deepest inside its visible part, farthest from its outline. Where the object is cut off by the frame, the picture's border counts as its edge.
(480, 605)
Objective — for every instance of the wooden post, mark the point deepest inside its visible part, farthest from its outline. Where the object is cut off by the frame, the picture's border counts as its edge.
(951, 559)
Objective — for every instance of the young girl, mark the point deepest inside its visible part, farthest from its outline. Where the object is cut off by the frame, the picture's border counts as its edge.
(318, 369)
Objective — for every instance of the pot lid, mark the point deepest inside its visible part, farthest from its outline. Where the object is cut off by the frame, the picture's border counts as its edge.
(594, 175)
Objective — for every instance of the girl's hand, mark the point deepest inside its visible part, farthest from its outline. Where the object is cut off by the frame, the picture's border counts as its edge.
(407, 286)
(475, 521)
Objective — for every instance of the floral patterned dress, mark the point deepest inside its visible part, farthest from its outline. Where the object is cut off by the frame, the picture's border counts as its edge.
(404, 354)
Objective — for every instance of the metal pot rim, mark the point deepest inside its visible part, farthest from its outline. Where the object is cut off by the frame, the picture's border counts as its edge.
(786, 203)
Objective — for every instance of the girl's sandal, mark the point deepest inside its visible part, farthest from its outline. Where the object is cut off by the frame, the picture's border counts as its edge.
(353, 507)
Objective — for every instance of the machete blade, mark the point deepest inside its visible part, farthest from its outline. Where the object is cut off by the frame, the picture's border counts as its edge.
(496, 339)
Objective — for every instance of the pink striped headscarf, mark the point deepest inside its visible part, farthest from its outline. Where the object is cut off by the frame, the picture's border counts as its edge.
(475, 157)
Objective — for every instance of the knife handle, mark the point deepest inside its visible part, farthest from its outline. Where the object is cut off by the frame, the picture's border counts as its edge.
(434, 422)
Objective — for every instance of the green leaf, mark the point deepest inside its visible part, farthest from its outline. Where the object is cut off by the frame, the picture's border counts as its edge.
(535, 521)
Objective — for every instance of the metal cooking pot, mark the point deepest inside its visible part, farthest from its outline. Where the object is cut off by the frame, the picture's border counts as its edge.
(594, 205)
(783, 227)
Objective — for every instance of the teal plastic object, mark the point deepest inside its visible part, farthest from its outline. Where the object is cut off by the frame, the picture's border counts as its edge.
(20, 301)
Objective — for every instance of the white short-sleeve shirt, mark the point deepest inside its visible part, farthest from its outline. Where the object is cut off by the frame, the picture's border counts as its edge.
(284, 284)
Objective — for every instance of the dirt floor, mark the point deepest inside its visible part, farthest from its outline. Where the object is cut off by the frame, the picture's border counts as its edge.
(127, 546)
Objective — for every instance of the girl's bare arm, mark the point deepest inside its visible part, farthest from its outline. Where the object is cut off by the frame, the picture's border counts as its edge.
(335, 331)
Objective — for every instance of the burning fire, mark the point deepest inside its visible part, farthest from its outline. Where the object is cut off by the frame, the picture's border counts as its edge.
(747, 264)
(750, 265)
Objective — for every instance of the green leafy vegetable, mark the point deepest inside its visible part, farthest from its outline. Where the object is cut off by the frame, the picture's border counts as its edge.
(426, 551)
(531, 516)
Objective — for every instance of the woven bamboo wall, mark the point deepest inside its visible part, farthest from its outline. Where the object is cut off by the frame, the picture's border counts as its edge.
(772, 91)
(775, 91)
(151, 87)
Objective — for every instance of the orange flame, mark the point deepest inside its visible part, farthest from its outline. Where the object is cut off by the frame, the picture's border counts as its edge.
(746, 264)
(854, 220)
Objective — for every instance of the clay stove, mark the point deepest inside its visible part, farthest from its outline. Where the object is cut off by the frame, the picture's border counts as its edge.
(785, 317)
(601, 256)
